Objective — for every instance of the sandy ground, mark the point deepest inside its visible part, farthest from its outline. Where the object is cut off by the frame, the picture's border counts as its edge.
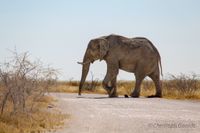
(92, 113)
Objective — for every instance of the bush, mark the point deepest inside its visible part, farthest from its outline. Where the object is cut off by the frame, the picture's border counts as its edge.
(22, 80)
(187, 85)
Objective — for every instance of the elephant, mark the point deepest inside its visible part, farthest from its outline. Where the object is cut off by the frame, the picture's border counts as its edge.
(136, 55)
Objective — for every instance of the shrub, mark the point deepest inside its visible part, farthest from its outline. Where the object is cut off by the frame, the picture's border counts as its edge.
(22, 80)
(182, 84)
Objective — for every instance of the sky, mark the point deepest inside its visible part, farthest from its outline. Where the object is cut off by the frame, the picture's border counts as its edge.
(57, 31)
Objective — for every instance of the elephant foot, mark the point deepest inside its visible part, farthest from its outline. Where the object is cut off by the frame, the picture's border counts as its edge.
(134, 95)
(111, 92)
(155, 96)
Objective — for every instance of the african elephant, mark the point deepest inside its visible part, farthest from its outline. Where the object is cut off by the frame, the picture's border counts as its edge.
(136, 55)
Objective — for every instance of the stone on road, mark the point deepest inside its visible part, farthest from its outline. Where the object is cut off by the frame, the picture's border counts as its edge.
(93, 113)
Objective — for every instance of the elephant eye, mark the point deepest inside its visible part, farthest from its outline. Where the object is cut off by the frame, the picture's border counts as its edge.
(94, 47)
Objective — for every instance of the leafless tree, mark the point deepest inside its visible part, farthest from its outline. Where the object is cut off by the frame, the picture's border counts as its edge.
(21, 79)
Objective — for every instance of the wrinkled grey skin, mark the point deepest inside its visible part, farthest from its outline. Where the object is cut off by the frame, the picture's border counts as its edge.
(136, 55)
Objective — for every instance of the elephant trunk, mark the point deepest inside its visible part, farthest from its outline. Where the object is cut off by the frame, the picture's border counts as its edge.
(85, 69)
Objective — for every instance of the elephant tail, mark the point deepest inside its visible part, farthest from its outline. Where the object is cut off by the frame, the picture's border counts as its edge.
(160, 64)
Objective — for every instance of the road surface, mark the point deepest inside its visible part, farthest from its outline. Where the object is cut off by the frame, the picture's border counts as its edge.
(92, 113)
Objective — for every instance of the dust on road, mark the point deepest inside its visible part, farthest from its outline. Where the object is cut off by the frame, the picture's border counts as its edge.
(92, 113)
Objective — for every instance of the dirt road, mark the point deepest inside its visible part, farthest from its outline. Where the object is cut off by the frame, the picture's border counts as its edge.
(93, 113)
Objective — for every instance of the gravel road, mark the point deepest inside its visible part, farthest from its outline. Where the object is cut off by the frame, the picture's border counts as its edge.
(92, 113)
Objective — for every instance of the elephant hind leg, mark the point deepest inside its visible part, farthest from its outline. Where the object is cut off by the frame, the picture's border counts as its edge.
(136, 91)
(156, 79)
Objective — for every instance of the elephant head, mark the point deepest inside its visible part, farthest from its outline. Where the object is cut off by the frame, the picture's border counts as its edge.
(97, 49)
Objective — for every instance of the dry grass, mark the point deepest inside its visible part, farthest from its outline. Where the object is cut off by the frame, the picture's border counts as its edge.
(175, 87)
(182, 87)
(24, 106)
(39, 120)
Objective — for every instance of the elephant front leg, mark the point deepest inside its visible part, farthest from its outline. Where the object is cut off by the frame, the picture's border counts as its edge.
(113, 89)
(109, 82)
(110, 87)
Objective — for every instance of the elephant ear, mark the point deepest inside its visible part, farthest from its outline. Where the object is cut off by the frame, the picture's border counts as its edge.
(104, 47)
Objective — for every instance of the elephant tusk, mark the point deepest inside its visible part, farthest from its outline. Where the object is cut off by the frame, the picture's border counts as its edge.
(80, 63)
(83, 63)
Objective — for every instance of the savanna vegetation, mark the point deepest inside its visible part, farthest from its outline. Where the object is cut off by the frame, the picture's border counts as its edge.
(181, 86)
(24, 105)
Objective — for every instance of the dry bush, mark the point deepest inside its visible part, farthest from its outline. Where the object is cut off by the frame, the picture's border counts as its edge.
(22, 79)
(24, 106)
(182, 85)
